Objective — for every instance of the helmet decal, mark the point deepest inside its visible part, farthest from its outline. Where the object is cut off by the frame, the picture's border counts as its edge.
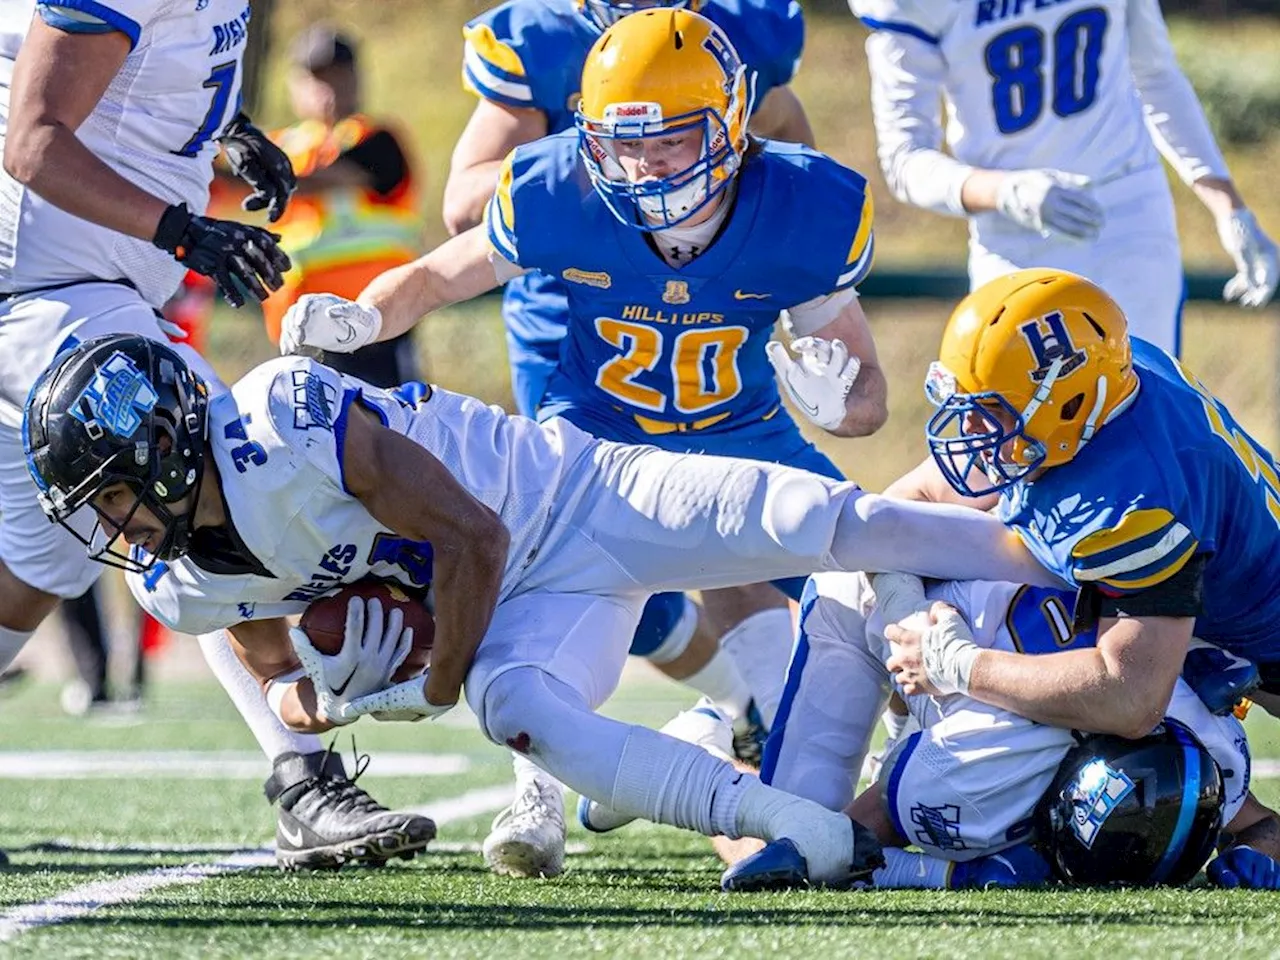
(1049, 340)
(115, 399)
(1097, 791)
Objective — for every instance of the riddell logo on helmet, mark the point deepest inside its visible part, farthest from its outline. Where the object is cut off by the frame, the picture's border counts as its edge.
(633, 113)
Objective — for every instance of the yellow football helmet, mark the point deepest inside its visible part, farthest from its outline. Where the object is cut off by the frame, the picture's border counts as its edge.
(651, 77)
(1031, 365)
(605, 13)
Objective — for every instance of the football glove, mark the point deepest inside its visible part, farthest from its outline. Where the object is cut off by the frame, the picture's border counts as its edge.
(1050, 202)
(820, 380)
(238, 257)
(259, 163)
(406, 701)
(1254, 253)
(371, 652)
(1246, 868)
(328, 322)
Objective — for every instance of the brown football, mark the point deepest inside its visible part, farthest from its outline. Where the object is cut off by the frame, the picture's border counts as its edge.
(325, 622)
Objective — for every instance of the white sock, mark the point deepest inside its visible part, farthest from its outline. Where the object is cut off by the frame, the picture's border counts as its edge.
(912, 871)
(11, 642)
(721, 680)
(823, 837)
(761, 647)
(895, 723)
(246, 693)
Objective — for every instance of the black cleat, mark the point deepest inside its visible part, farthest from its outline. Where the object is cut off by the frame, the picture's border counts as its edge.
(326, 820)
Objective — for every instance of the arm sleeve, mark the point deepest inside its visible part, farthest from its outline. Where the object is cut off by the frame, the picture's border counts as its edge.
(806, 318)
(1175, 119)
(908, 74)
(380, 156)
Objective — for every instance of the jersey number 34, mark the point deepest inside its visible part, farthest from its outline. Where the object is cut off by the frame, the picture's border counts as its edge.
(1016, 60)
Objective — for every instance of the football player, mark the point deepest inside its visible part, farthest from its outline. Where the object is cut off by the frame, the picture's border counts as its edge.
(1124, 475)
(542, 544)
(1057, 115)
(115, 111)
(523, 59)
(977, 780)
(678, 239)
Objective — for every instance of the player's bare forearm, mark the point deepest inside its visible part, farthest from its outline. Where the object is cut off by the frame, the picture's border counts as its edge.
(1219, 195)
(1122, 686)
(467, 193)
(458, 269)
(409, 491)
(978, 195)
(263, 647)
(867, 406)
(925, 482)
(1256, 826)
(299, 710)
(58, 80)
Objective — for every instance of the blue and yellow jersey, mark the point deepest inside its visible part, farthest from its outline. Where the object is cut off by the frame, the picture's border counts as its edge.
(529, 53)
(654, 348)
(1171, 477)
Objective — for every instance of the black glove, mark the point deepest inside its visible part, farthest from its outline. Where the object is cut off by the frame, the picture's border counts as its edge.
(238, 257)
(261, 164)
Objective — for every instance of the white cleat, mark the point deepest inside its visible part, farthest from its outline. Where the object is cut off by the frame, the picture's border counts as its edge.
(704, 725)
(527, 838)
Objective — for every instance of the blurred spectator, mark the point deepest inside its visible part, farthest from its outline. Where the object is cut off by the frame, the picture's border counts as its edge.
(355, 213)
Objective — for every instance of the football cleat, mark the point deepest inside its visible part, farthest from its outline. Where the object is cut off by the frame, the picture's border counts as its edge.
(1220, 679)
(704, 725)
(1018, 866)
(527, 838)
(781, 866)
(325, 820)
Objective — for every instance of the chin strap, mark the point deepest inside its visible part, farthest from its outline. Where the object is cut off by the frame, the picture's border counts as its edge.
(1091, 424)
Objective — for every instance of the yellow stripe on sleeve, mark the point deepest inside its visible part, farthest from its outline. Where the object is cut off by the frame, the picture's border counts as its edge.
(492, 50)
(1134, 525)
(863, 236)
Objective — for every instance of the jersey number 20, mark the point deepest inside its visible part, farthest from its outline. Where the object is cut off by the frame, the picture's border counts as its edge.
(704, 365)
(1016, 61)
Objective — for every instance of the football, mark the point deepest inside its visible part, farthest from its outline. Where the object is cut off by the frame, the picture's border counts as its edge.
(325, 621)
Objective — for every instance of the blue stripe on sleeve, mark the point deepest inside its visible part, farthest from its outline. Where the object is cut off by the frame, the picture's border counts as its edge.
(895, 26)
(111, 19)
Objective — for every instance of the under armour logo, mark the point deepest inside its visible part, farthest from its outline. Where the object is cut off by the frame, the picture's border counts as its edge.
(115, 399)
(1049, 340)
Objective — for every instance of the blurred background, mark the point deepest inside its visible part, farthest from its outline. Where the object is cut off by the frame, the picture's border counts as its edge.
(410, 60)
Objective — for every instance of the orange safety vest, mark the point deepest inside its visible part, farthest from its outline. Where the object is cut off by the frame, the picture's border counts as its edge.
(339, 239)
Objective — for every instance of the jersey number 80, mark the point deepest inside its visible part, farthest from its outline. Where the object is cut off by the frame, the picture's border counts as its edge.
(1016, 61)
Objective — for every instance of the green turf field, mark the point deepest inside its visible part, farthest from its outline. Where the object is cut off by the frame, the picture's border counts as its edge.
(165, 866)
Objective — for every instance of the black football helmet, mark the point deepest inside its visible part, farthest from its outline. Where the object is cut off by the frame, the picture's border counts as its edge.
(1141, 812)
(118, 408)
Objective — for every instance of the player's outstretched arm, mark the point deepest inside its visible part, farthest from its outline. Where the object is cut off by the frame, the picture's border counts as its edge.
(409, 491)
(925, 482)
(493, 131)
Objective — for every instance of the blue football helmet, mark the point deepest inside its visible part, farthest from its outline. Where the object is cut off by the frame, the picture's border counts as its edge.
(1141, 812)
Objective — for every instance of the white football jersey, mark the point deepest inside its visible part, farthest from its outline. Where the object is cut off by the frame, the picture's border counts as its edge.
(277, 440)
(1031, 83)
(1017, 619)
(155, 126)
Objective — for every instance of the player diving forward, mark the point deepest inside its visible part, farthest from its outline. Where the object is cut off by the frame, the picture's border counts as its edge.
(678, 240)
(978, 780)
(542, 543)
(112, 115)
(1056, 117)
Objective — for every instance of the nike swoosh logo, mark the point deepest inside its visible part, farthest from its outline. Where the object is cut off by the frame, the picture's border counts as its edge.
(338, 691)
(742, 295)
(350, 334)
(811, 411)
(294, 837)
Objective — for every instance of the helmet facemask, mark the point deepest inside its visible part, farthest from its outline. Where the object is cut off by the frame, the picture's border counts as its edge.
(605, 13)
(659, 203)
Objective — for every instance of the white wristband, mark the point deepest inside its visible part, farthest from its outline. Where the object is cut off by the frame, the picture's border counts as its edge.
(949, 652)
(277, 687)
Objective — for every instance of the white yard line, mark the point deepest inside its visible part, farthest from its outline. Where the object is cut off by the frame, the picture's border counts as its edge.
(197, 764)
(81, 900)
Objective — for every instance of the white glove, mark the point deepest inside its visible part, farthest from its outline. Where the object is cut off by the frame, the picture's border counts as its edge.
(1049, 202)
(169, 328)
(820, 381)
(406, 701)
(329, 322)
(948, 651)
(370, 654)
(1254, 253)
